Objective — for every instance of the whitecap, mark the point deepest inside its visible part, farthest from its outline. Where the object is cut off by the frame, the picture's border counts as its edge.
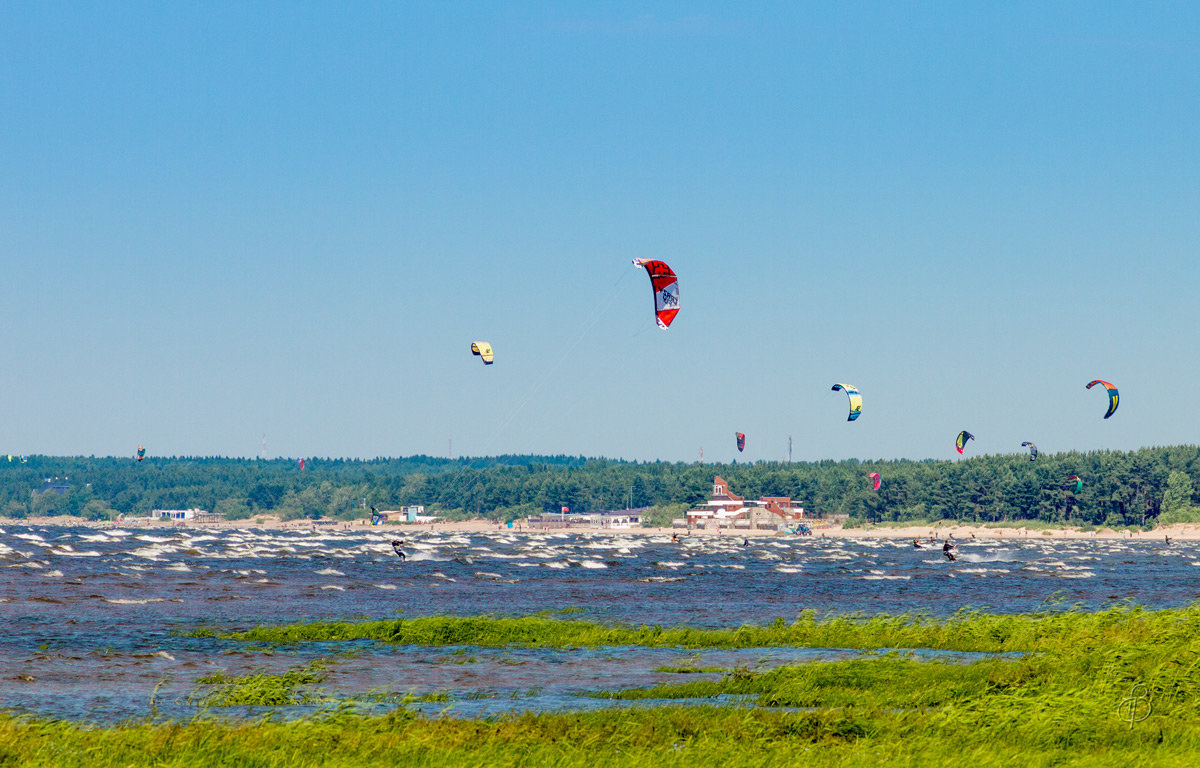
(131, 601)
(73, 553)
(334, 586)
(384, 586)
(328, 572)
(419, 556)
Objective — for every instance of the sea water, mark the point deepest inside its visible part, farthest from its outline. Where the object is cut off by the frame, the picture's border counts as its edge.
(94, 619)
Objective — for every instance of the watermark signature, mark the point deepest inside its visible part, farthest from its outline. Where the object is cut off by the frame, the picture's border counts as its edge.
(1137, 706)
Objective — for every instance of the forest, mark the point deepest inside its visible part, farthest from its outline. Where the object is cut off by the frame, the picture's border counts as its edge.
(1119, 488)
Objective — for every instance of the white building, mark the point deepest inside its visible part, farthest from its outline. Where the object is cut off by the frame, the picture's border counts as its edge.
(414, 513)
(179, 514)
(725, 510)
(619, 519)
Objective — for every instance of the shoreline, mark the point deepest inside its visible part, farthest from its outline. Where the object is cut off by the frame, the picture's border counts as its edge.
(960, 532)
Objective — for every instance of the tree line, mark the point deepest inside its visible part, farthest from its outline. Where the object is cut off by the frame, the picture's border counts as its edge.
(1119, 487)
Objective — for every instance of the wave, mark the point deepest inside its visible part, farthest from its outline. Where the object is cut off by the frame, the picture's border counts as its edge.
(1003, 556)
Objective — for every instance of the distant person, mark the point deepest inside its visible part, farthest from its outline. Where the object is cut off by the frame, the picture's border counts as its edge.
(1168, 538)
(396, 544)
(746, 542)
(917, 544)
(948, 551)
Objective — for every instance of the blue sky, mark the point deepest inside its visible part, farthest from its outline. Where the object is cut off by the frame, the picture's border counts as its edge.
(219, 222)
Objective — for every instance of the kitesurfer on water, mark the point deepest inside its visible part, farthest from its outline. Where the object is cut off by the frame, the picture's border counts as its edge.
(396, 544)
(917, 544)
(947, 550)
(745, 542)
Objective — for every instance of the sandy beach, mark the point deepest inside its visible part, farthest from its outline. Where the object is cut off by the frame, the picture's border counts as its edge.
(920, 532)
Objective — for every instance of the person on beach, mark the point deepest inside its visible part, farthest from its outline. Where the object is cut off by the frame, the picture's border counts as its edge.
(948, 551)
(396, 544)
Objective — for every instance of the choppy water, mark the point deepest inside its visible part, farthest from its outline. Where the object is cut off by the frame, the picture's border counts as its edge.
(91, 616)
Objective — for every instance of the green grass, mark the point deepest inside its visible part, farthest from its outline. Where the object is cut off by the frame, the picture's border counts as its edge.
(1057, 703)
(263, 689)
(887, 682)
(664, 737)
(963, 631)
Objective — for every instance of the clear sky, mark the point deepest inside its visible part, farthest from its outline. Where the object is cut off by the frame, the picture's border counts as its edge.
(225, 220)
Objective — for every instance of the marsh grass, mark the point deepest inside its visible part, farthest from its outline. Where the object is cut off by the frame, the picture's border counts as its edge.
(261, 689)
(665, 737)
(966, 630)
(1053, 697)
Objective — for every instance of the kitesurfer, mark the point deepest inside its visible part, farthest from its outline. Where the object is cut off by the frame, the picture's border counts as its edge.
(396, 544)
(948, 550)
(674, 538)
(1168, 538)
(917, 544)
(746, 542)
